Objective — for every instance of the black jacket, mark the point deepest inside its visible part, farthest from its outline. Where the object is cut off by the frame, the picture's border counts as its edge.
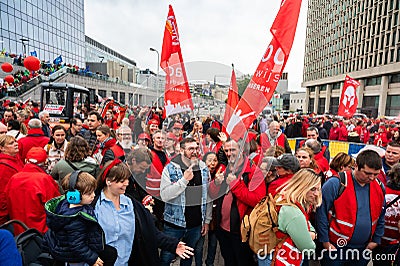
(72, 237)
(147, 238)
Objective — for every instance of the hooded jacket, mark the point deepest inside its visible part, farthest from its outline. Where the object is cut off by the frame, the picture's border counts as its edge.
(9, 165)
(74, 236)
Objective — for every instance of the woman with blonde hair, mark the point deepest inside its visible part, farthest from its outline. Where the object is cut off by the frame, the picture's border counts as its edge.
(297, 198)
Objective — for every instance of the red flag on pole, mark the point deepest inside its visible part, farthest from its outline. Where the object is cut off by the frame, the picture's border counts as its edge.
(177, 96)
(265, 79)
(348, 100)
(233, 99)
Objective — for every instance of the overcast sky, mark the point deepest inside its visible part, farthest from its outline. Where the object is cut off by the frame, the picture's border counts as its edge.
(216, 31)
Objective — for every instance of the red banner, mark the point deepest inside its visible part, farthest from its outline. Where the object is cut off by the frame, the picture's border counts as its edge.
(348, 101)
(177, 96)
(233, 99)
(265, 79)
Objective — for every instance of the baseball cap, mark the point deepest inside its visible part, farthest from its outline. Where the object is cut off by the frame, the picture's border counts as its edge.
(144, 136)
(287, 161)
(153, 122)
(36, 155)
(177, 125)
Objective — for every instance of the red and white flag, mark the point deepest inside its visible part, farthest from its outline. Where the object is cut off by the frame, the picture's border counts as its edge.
(177, 98)
(265, 79)
(233, 100)
(348, 101)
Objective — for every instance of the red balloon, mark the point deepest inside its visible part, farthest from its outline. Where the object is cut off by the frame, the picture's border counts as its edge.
(7, 67)
(32, 63)
(9, 79)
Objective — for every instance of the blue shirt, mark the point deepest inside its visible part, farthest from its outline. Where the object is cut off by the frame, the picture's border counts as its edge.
(118, 225)
(362, 228)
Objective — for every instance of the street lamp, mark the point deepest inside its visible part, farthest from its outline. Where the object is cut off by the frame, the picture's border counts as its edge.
(23, 40)
(158, 70)
(122, 67)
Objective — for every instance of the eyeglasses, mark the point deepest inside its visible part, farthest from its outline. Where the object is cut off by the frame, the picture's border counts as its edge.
(192, 149)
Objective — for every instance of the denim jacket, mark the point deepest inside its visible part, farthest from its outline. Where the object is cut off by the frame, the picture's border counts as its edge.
(172, 190)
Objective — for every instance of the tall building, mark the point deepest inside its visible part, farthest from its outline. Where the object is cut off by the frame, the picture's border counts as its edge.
(360, 38)
(48, 27)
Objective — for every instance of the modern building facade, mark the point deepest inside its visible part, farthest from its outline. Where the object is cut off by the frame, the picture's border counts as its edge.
(358, 38)
(48, 27)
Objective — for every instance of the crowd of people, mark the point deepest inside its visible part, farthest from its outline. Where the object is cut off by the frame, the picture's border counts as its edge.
(148, 189)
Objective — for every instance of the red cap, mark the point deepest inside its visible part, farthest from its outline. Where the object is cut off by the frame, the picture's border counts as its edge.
(144, 136)
(396, 129)
(153, 122)
(36, 155)
(177, 125)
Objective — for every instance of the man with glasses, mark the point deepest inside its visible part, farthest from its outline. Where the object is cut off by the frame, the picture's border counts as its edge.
(351, 217)
(94, 121)
(183, 187)
(235, 192)
(74, 128)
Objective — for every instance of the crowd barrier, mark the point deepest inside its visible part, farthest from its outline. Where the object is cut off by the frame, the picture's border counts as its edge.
(334, 146)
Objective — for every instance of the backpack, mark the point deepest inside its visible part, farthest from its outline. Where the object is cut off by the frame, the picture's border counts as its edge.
(260, 227)
(29, 242)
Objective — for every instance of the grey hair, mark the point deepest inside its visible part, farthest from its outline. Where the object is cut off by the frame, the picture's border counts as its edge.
(314, 145)
(35, 123)
(43, 113)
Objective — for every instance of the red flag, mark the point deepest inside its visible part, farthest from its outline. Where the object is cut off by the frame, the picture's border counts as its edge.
(233, 99)
(177, 96)
(348, 101)
(265, 79)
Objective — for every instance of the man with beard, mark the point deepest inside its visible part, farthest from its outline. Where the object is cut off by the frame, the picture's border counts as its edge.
(236, 191)
(274, 137)
(153, 181)
(124, 138)
(183, 187)
(139, 161)
(94, 121)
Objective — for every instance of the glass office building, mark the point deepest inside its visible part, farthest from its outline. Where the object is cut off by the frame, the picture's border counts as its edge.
(49, 27)
(360, 38)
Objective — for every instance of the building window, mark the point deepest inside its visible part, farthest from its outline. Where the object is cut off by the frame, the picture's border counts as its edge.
(311, 106)
(394, 78)
(122, 97)
(392, 105)
(114, 95)
(102, 93)
(373, 81)
(334, 105)
(321, 106)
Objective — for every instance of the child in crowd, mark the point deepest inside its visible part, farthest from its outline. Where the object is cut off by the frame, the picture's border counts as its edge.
(74, 236)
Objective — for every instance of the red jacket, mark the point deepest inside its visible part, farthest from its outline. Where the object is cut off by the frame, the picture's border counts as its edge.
(343, 133)
(334, 133)
(35, 138)
(381, 139)
(246, 196)
(345, 210)
(9, 165)
(265, 143)
(274, 185)
(321, 160)
(27, 192)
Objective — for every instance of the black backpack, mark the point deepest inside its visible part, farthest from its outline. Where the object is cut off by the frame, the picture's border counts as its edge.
(29, 243)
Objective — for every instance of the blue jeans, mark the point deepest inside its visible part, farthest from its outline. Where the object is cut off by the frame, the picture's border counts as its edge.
(189, 236)
(211, 250)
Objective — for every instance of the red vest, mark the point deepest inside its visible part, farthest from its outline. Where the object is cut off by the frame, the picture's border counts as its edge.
(265, 143)
(343, 218)
(391, 235)
(288, 254)
(153, 180)
(118, 151)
